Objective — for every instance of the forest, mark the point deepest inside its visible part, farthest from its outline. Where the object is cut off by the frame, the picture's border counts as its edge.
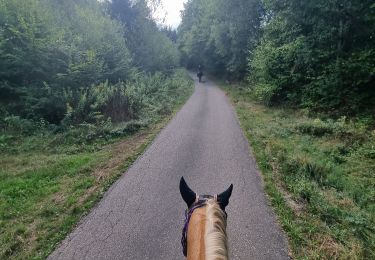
(316, 54)
(69, 62)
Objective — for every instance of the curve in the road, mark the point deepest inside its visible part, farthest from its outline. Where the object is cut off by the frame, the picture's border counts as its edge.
(142, 214)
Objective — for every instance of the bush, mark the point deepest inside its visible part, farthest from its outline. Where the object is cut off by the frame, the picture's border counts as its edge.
(106, 111)
(265, 93)
(16, 124)
(120, 102)
(127, 128)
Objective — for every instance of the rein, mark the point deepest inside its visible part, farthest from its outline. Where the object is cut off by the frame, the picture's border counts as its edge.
(188, 214)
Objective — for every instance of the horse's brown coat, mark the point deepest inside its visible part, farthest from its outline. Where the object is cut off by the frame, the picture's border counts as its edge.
(195, 236)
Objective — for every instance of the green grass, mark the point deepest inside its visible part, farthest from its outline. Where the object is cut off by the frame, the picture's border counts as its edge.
(319, 175)
(38, 193)
(48, 181)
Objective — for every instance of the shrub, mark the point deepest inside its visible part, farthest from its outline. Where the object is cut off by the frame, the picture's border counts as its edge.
(16, 124)
(265, 93)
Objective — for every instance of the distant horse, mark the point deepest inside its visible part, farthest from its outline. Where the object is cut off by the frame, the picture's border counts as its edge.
(200, 75)
(204, 234)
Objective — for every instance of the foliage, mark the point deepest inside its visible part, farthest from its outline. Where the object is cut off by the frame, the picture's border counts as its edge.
(312, 54)
(49, 46)
(152, 50)
(317, 54)
(106, 111)
(318, 174)
(74, 79)
(218, 34)
(80, 57)
(146, 97)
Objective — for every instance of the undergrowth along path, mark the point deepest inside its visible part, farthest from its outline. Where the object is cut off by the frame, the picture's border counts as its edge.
(318, 173)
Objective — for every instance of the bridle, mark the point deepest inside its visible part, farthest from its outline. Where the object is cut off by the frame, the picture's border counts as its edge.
(200, 201)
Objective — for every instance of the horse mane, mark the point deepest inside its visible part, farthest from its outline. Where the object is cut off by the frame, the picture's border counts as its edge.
(216, 236)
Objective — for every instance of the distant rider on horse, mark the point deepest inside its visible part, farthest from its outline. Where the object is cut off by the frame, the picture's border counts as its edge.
(200, 73)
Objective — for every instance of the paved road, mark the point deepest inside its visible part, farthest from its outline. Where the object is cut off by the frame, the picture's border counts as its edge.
(141, 216)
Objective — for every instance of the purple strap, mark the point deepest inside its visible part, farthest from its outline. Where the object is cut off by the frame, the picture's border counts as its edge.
(188, 214)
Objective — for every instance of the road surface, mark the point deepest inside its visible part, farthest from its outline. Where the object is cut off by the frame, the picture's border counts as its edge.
(142, 214)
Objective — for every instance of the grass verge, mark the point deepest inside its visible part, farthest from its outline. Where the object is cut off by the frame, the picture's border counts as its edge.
(47, 183)
(319, 175)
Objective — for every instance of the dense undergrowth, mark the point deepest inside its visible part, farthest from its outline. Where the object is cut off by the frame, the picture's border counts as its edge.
(51, 175)
(319, 175)
(106, 111)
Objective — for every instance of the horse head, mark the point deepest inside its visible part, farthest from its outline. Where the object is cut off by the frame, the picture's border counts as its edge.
(204, 233)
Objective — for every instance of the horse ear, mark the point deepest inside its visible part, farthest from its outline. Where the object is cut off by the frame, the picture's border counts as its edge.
(187, 194)
(223, 198)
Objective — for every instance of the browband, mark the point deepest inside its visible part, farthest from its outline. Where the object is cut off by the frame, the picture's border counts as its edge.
(197, 197)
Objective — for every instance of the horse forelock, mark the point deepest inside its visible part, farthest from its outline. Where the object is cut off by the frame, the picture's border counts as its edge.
(214, 244)
(215, 232)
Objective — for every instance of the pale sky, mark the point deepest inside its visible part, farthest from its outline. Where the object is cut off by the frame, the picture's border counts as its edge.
(170, 10)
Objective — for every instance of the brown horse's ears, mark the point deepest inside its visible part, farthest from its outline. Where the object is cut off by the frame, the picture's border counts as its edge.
(223, 198)
(187, 194)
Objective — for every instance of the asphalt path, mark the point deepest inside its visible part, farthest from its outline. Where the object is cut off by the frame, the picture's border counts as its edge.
(142, 214)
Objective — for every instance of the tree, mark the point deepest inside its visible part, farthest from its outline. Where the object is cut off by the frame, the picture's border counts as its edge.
(317, 54)
(219, 34)
(49, 46)
(151, 48)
